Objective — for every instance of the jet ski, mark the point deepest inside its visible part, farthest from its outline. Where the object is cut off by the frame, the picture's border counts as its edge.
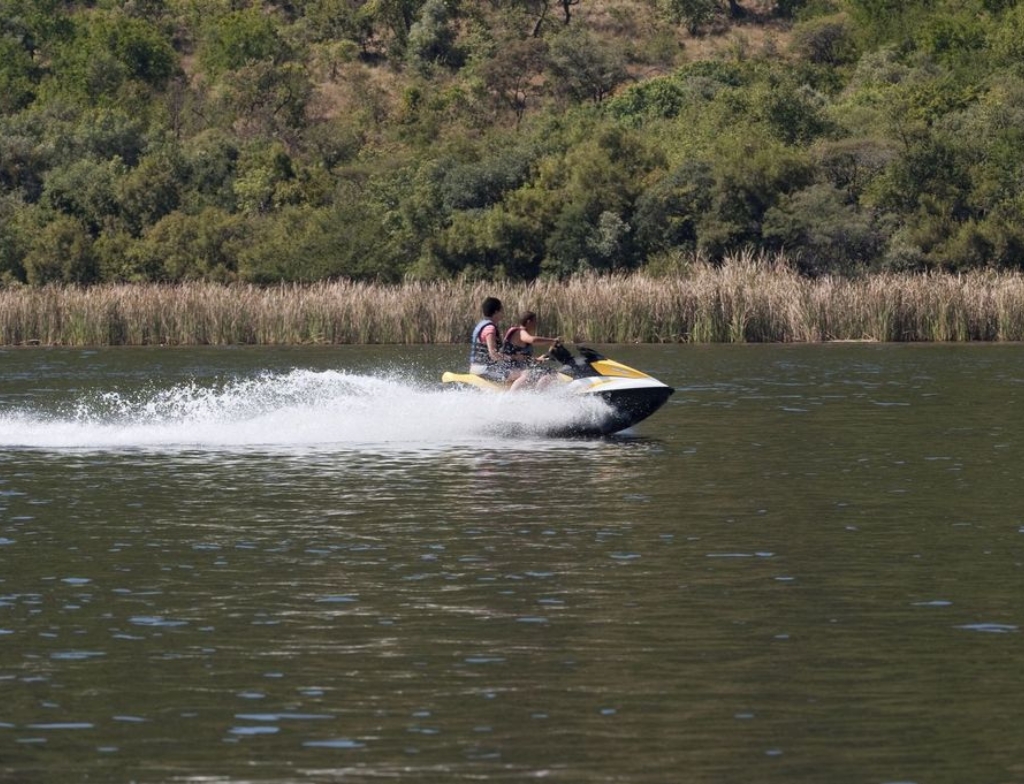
(629, 394)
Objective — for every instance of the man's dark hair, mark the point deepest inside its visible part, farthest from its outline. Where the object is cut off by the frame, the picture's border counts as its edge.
(491, 306)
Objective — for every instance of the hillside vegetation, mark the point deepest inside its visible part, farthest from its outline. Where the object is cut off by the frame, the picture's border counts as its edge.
(389, 140)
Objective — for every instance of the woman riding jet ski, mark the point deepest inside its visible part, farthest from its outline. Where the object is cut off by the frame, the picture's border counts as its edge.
(630, 395)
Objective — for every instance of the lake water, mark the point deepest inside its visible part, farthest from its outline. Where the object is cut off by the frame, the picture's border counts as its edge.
(311, 565)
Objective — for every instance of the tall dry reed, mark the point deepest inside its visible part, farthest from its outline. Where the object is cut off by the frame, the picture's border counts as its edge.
(750, 298)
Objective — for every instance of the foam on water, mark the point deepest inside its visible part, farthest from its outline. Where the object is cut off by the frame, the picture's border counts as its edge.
(301, 407)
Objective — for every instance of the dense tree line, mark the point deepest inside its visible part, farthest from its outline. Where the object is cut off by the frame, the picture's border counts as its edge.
(170, 140)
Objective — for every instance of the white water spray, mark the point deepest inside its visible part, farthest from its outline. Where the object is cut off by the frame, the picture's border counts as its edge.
(299, 408)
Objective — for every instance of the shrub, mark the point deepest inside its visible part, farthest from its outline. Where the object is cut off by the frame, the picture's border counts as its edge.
(61, 252)
(825, 232)
(825, 40)
(239, 38)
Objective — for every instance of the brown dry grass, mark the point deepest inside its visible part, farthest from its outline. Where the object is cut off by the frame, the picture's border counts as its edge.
(750, 298)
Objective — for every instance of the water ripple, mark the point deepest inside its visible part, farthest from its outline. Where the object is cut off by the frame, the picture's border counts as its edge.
(989, 628)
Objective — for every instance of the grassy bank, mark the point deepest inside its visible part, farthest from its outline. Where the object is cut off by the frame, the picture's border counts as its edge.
(746, 300)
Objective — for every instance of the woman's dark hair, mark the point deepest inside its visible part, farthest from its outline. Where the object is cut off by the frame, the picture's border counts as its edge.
(527, 317)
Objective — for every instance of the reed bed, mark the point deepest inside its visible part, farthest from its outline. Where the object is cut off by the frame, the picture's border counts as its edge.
(748, 299)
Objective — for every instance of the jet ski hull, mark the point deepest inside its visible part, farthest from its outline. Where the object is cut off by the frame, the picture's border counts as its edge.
(632, 406)
(630, 395)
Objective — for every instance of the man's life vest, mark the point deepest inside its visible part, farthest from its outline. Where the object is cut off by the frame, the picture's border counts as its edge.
(478, 353)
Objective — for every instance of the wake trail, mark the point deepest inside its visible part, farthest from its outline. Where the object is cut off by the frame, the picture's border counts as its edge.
(297, 408)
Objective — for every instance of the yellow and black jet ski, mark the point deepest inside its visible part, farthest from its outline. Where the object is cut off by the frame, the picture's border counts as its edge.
(629, 394)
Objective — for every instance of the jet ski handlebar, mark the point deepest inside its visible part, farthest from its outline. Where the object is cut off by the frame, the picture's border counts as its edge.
(576, 366)
(559, 353)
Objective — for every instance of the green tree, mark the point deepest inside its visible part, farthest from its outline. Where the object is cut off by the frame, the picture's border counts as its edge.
(583, 67)
(63, 132)
(62, 252)
(888, 21)
(183, 247)
(661, 98)
(35, 25)
(795, 113)
(827, 41)
(790, 8)
(332, 20)
(151, 190)
(142, 48)
(695, 14)
(295, 244)
(585, 238)
(85, 190)
(109, 51)
(210, 164)
(22, 162)
(1007, 40)
(853, 163)
(823, 231)
(19, 74)
(540, 11)
(478, 184)
(1003, 232)
(497, 242)
(16, 230)
(432, 39)
(370, 234)
(303, 243)
(669, 212)
(746, 187)
(396, 17)
(603, 178)
(511, 75)
(264, 172)
(955, 38)
(114, 251)
(267, 100)
(374, 138)
(240, 38)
